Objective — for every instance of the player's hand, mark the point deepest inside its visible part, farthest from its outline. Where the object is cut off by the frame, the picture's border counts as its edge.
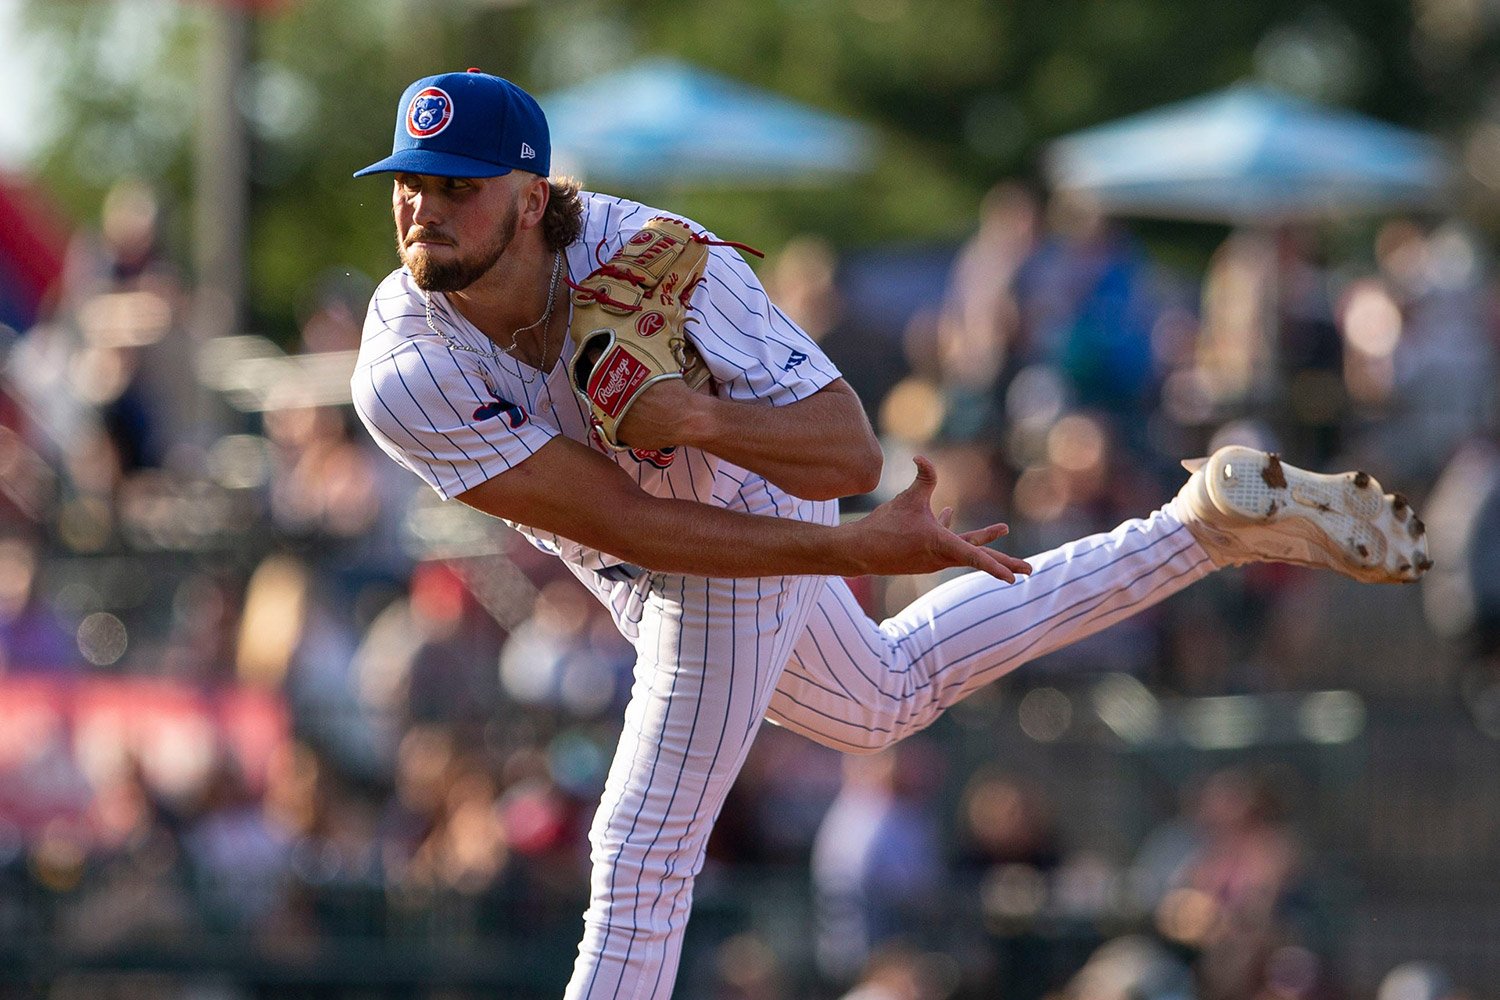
(664, 416)
(902, 535)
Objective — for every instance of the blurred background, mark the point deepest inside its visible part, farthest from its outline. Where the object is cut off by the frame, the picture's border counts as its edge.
(276, 723)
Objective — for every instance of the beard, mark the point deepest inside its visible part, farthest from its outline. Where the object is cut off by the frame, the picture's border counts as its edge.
(455, 273)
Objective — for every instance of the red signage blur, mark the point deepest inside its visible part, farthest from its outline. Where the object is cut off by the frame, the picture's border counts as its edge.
(62, 741)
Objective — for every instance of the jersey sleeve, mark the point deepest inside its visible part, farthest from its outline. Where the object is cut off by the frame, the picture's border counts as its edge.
(754, 351)
(432, 412)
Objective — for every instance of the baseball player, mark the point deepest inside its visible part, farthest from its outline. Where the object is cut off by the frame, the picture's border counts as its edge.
(616, 385)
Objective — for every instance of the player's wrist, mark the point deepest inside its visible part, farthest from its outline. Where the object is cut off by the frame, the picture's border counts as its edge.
(701, 421)
(851, 545)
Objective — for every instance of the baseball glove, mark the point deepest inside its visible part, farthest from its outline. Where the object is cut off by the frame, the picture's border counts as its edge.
(629, 322)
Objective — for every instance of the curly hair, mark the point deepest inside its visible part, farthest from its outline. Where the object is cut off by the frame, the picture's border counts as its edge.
(563, 220)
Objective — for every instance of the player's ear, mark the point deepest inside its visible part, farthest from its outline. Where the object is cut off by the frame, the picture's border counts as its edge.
(534, 195)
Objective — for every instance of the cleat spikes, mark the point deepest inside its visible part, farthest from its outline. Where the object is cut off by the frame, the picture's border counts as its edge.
(1343, 522)
(1274, 477)
(1401, 507)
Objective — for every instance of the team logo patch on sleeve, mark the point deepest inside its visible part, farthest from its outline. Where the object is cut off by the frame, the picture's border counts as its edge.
(513, 414)
(430, 111)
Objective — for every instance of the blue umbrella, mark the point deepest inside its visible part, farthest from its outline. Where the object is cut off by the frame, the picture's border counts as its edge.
(1250, 155)
(665, 121)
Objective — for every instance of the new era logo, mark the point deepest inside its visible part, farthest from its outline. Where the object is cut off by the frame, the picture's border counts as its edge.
(527, 153)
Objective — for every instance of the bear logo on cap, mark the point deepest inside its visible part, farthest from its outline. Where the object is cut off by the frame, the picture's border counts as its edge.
(430, 111)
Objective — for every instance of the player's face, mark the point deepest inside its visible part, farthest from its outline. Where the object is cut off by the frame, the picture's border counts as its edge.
(451, 230)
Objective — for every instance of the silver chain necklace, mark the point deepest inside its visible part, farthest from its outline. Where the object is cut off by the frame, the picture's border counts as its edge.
(495, 353)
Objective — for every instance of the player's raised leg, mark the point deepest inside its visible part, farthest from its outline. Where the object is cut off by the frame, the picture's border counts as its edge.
(857, 686)
(708, 656)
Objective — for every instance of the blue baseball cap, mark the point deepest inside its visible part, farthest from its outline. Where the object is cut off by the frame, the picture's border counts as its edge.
(467, 125)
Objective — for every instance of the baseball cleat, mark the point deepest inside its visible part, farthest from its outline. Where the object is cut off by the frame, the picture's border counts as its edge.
(1245, 505)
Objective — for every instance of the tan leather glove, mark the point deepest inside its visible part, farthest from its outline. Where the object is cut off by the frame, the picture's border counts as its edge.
(629, 322)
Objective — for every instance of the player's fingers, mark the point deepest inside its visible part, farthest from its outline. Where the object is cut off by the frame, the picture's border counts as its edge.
(926, 474)
(981, 559)
(919, 493)
(986, 560)
(983, 536)
(1013, 564)
(945, 518)
(997, 564)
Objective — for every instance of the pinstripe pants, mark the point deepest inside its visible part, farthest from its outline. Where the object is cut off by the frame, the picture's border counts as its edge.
(714, 657)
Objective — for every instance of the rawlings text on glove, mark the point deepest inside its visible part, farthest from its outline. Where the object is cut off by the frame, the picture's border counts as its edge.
(629, 319)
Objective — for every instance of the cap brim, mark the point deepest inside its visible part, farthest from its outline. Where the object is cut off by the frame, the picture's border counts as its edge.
(430, 161)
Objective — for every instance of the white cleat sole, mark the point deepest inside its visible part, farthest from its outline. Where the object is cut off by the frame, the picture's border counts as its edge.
(1258, 508)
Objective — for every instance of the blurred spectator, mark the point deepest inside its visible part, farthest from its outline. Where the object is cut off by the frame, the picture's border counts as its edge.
(425, 761)
(108, 378)
(125, 253)
(547, 823)
(1229, 895)
(297, 635)
(331, 317)
(466, 847)
(1309, 349)
(1418, 981)
(1088, 306)
(199, 645)
(271, 626)
(1420, 347)
(239, 847)
(32, 633)
(566, 655)
(1006, 821)
(135, 894)
(1012, 855)
(876, 862)
(779, 801)
(1132, 968)
(430, 656)
(1461, 594)
(803, 282)
(899, 972)
(1269, 346)
(383, 662)
(980, 319)
(322, 481)
(27, 481)
(1237, 347)
(746, 968)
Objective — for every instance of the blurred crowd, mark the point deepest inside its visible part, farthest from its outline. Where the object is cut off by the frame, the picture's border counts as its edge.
(434, 704)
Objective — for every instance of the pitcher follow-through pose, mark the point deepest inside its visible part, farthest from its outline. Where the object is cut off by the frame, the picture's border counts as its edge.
(700, 502)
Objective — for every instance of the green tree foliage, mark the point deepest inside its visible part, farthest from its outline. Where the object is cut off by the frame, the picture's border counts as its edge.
(960, 93)
(122, 101)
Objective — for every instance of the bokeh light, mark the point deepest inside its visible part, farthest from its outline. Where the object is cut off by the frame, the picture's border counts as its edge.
(102, 638)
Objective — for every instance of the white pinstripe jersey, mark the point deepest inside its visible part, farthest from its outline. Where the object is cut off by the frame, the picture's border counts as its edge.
(457, 418)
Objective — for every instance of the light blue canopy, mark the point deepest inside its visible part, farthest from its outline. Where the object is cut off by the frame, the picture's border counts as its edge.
(664, 121)
(1250, 155)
